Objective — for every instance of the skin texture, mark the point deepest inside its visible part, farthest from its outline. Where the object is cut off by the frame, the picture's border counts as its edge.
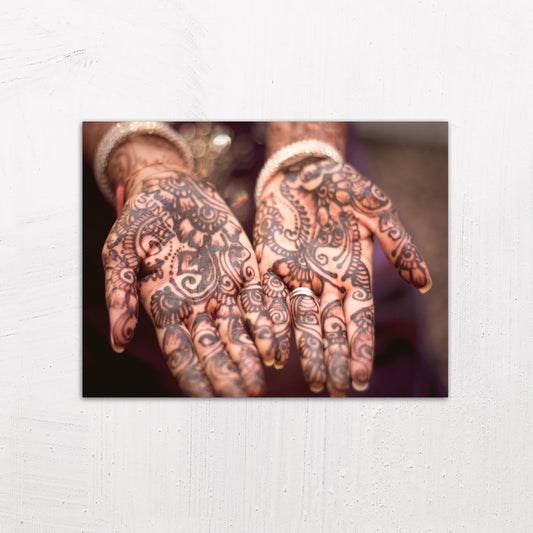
(314, 228)
(178, 249)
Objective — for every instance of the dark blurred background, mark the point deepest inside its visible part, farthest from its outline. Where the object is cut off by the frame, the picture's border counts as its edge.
(408, 160)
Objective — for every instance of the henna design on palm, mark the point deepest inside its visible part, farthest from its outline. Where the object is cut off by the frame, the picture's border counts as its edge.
(314, 228)
(178, 247)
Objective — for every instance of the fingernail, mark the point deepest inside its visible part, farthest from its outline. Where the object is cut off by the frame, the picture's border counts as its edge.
(358, 387)
(316, 388)
(279, 366)
(269, 362)
(425, 289)
(116, 349)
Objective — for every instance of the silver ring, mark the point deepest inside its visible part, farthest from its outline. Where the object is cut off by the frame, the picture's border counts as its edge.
(302, 291)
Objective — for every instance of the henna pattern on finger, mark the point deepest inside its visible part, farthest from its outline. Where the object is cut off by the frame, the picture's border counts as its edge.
(121, 297)
(362, 346)
(336, 348)
(241, 349)
(214, 359)
(183, 362)
(407, 259)
(257, 320)
(277, 294)
(252, 298)
(305, 313)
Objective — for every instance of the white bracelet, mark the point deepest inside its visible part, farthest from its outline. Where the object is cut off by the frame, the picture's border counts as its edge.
(118, 134)
(291, 154)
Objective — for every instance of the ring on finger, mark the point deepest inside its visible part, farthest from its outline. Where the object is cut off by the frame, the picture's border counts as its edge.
(302, 291)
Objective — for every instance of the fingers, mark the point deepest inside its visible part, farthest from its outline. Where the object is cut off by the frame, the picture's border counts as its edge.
(241, 349)
(337, 353)
(402, 252)
(360, 328)
(121, 296)
(196, 367)
(308, 332)
(257, 321)
(168, 310)
(179, 353)
(276, 296)
(216, 363)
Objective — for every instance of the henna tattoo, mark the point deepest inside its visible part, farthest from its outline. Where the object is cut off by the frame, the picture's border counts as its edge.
(336, 348)
(177, 244)
(305, 313)
(407, 259)
(258, 320)
(319, 243)
(316, 224)
(168, 308)
(241, 349)
(314, 228)
(277, 294)
(362, 345)
(251, 299)
(183, 363)
(218, 367)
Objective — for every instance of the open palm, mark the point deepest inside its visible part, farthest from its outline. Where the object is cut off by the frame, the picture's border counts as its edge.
(178, 247)
(314, 228)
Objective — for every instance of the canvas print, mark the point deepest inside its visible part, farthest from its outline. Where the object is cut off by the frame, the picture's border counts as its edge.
(265, 259)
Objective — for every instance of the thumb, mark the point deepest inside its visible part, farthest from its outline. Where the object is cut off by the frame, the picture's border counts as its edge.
(120, 292)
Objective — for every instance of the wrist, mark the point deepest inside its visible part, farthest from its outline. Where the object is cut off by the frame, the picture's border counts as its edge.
(136, 157)
(134, 153)
(294, 155)
(165, 170)
(280, 134)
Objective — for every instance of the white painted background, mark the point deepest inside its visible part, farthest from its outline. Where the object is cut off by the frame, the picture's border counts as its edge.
(461, 464)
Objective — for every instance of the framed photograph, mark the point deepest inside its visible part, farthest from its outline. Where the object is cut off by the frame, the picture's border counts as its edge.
(277, 259)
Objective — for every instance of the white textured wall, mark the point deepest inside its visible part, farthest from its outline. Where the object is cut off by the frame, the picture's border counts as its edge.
(461, 464)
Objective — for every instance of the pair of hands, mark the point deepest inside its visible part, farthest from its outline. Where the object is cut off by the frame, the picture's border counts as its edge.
(220, 307)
